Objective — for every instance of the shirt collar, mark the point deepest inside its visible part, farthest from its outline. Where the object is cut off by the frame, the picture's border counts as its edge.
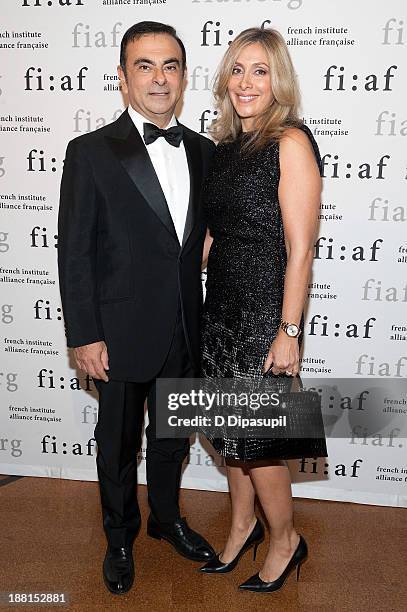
(139, 120)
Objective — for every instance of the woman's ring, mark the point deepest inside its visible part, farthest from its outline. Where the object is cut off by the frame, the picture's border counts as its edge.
(289, 373)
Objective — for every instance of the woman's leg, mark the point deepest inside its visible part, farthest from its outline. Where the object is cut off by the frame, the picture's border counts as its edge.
(272, 484)
(242, 496)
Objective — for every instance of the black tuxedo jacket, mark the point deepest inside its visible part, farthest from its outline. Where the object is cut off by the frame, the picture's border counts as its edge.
(121, 268)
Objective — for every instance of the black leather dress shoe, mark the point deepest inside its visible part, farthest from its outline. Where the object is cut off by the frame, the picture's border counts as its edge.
(186, 542)
(118, 569)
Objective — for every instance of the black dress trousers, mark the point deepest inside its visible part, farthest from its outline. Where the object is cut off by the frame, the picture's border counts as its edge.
(118, 434)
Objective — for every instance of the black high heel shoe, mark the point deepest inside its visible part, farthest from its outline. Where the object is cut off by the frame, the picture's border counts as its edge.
(215, 566)
(257, 585)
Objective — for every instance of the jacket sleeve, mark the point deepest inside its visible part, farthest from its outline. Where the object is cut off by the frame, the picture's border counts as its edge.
(77, 242)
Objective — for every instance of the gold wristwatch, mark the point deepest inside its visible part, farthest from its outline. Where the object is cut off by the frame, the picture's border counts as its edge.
(291, 329)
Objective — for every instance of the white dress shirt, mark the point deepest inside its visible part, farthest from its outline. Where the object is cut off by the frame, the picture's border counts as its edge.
(171, 166)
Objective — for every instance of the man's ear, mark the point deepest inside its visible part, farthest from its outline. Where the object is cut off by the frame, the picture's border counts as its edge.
(185, 78)
(122, 78)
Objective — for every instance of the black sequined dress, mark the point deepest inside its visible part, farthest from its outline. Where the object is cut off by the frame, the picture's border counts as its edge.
(245, 274)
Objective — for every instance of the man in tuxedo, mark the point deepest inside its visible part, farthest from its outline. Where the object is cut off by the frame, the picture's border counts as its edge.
(131, 232)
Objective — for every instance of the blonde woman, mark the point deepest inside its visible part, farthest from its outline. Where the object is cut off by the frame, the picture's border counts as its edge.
(262, 202)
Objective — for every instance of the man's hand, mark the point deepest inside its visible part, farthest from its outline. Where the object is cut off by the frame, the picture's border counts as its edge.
(93, 359)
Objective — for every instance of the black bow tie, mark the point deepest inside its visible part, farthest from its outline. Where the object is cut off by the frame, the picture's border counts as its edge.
(173, 135)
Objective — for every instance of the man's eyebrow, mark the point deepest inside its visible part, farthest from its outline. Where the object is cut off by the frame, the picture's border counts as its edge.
(172, 60)
(145, 60)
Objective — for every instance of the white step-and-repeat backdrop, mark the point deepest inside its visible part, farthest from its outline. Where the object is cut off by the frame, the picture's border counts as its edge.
(58, 80)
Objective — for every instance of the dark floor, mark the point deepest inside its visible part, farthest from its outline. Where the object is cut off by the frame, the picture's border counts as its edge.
(52, 541)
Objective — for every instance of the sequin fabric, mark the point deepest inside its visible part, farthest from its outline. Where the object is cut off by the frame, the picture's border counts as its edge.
(245, 275)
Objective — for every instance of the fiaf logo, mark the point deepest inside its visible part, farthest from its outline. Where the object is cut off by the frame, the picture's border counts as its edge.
(53, 3)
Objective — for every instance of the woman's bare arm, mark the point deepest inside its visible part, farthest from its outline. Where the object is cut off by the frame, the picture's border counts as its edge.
(206, 249)
(299, 196)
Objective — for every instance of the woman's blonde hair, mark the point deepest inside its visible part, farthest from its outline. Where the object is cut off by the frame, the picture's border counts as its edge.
(283, 110)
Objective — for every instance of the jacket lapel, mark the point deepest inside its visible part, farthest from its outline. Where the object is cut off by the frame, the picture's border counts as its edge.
(127, 144)
(194, 157)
